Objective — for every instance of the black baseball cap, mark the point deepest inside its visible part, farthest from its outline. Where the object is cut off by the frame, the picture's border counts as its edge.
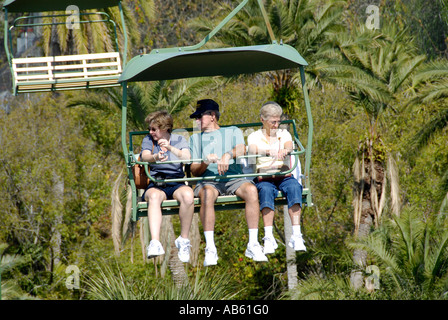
(203, 106)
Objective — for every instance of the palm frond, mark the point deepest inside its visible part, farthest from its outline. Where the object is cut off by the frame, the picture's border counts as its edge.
(374, 245)
(117, 214)
(434, 126)
(411, 232)
(394, 185)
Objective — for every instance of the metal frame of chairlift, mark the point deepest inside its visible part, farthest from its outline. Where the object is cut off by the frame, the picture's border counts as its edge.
(65, 72)
(192, 61)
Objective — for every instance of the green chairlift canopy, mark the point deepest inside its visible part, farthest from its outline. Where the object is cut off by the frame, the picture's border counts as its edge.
(56, 5)
(178, 64)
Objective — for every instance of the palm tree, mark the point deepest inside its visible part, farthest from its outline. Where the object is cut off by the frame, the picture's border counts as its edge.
(374, 67)
(431, 85)
(411, 252)
(302, 24)
(95, 37)
(110, 283)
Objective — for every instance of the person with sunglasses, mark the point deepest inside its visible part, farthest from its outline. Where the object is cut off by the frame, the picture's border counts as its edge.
(274, 146)
(160, 145)
(214, 152)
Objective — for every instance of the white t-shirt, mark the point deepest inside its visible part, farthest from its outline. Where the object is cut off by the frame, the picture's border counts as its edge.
(268, 164)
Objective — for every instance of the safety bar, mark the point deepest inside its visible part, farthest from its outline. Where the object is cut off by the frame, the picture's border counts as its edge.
(231, 176)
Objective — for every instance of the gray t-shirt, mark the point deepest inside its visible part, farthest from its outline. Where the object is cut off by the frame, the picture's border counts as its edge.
(170, 170)
(219, 142)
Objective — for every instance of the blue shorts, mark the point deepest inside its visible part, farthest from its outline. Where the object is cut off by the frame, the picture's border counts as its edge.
(268, 191)
(169, 189)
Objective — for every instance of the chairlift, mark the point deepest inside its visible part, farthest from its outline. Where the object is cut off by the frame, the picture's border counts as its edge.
(195, 61)
(65, 72)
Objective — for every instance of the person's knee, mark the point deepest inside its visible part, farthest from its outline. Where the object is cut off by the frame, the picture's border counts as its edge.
(185, 196)
(249, 192)
(208, 195)
(154, 196)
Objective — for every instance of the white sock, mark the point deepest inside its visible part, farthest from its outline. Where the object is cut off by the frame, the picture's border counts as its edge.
(268, 232)
(296, 230)
(184, 239)
(209, 239)
(253, 235)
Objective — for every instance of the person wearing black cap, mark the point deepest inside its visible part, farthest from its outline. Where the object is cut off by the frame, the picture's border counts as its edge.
(218, 148)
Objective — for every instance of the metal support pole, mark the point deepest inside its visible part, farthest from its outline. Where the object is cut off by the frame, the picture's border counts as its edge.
(307, 183)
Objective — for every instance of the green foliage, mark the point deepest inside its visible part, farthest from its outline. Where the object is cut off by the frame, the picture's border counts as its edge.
(47, 150)
(111, 283)
(44, 145)
(10, 288)
(411, 252)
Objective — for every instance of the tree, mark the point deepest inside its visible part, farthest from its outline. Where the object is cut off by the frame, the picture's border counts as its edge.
(96, 36)
(302, 24)
(374, 67)
(411, 252)
(52, 183)
(430, 85)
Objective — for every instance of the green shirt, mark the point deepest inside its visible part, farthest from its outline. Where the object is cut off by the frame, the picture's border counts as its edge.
(218, 142)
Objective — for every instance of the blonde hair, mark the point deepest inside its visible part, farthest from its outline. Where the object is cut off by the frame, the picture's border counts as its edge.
(160, 119)
(270, 109)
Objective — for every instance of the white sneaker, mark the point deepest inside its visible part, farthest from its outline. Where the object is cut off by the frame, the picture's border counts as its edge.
(296, 242)
(184, 249)
(269, 245)
(211, 257)
(154, 249)
(255, 252)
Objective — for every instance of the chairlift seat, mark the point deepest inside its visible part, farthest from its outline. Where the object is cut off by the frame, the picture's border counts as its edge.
(170, 207)
(66, 72)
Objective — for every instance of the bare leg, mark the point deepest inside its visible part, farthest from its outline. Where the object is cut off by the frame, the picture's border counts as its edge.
(186, 210)
(208, 196)
(249, 193)
(154, 197)
(294, 214)
(268, 216)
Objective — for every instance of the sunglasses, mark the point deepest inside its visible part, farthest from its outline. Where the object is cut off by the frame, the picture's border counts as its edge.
(204, 114)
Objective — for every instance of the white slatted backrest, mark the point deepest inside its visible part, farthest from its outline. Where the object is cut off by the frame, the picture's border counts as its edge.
(43, 68)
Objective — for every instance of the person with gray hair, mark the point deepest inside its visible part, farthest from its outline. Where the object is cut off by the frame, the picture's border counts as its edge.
(274, 146)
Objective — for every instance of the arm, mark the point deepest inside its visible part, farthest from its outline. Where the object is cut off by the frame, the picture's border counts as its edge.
(182, 154)
(197, 169)
(223, 163)
(282, 153)
(148, 156)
